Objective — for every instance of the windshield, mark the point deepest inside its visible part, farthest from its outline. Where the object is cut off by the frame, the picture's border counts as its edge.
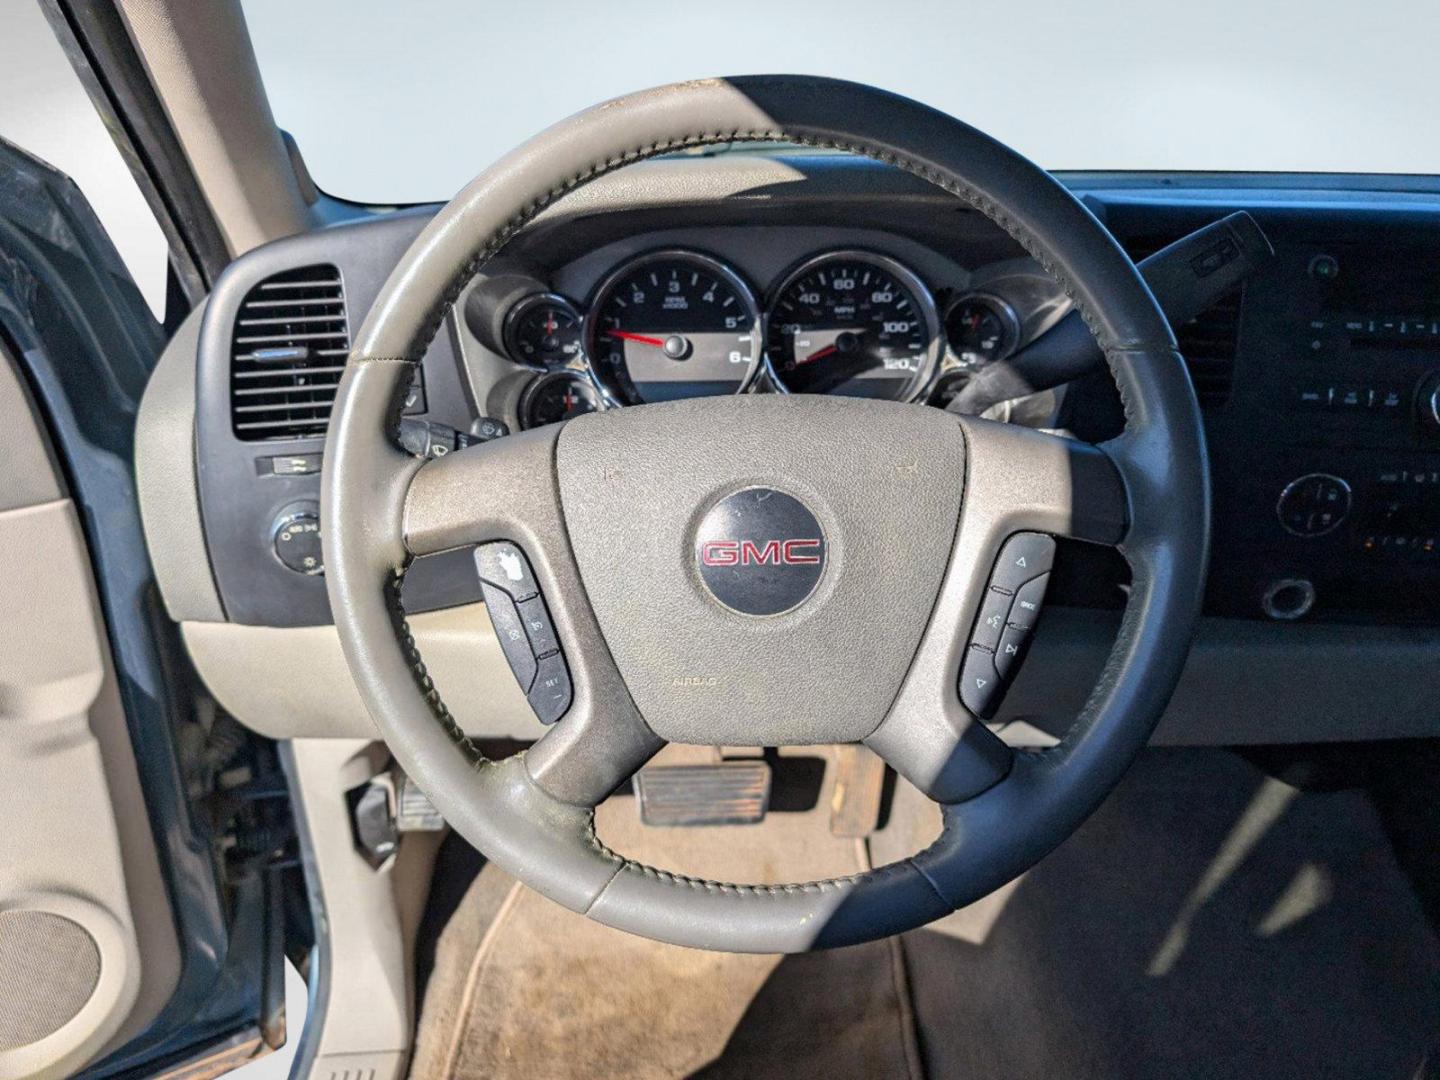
(406, 102)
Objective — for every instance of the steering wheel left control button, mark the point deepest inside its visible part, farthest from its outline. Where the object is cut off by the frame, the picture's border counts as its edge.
(538, 626)
(510, 629)
(523, 625)
(979, 682)
(550, 696)
(504, 566)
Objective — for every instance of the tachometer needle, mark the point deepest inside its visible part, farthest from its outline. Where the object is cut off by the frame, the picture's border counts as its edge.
(640, 338)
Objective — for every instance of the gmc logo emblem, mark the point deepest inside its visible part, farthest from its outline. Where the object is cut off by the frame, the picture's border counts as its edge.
(799, 552)
(760, 551)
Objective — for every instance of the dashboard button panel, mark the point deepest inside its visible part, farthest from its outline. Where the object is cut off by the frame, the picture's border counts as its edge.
(523, 625)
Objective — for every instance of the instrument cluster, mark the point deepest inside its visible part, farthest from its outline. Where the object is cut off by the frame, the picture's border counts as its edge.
(679, 323)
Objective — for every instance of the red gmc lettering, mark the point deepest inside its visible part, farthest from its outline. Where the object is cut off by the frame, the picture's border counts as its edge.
(719, 553)
(748, 553)
(795, 552)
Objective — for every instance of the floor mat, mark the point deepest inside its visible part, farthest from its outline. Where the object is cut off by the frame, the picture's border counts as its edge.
(1207, 922)
(549, 994)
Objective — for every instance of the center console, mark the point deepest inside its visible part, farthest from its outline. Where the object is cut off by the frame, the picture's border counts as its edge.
(1326, 455)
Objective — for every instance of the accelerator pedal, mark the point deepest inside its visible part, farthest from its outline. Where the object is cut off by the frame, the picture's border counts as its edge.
(730, 793)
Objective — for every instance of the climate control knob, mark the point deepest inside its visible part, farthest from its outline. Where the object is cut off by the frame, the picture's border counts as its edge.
(1314, 504)
(296, 539)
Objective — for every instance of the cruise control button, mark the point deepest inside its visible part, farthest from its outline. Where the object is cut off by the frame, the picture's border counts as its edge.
(504, 565)
(1011, 650)
(550, 696)
(511, 632)
(993, 611)
(1026, 608)
(538, 626)
(979, 683)
(1024, 557)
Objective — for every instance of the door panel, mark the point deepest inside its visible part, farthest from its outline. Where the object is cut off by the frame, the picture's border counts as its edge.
(78, 969)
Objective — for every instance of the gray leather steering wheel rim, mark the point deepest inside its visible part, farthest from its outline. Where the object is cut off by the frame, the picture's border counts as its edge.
(549, 842)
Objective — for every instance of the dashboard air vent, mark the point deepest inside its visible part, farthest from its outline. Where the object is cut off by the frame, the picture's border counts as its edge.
(1208, 341)
(287, 353)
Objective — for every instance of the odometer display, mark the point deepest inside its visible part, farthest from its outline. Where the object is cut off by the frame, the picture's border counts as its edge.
(672, 325)
(853, 323)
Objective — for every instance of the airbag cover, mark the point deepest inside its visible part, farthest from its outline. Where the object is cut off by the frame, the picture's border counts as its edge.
(883, 481)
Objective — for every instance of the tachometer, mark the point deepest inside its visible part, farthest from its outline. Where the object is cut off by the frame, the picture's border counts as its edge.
(853, 323)
(673, 324)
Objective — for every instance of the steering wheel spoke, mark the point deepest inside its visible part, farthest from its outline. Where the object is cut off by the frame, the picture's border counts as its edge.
(584, 760)
(1022, 480)
(490, 491)
(1017, 480)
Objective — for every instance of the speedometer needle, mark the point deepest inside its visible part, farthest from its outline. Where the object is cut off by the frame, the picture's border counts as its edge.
(641, 338)
(819, 355)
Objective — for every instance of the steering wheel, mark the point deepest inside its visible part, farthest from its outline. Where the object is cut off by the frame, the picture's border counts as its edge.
(901, 512)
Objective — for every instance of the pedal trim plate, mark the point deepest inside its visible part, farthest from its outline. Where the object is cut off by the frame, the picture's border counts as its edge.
(730, 793)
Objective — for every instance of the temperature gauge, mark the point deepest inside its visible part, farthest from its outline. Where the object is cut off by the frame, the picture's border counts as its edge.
(561, 396)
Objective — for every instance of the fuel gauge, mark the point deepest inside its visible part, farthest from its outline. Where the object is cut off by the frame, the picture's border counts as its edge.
(542, 331)
(981, 329)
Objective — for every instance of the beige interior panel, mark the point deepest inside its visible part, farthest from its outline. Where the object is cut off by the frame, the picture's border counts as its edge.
(165, 479)
(293, 682)
(61, 853)
(367, 1006)
(88, 951)
(200, 60)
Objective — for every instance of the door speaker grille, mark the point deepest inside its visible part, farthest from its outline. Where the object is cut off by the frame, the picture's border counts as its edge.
(49, 967)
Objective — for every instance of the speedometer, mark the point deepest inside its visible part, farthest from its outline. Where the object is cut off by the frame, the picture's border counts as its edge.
(853, 323)
(673, 324)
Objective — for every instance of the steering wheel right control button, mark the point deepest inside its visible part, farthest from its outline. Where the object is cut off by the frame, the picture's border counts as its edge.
(523, 625)
(979, 682)
(1012, 648)
(1008, 613)
(994, 611)
(1026, 609)
(1313, 505)
(1024, 557)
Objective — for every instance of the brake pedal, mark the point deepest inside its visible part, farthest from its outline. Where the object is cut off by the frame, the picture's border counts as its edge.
(414, 812)
(731, 793)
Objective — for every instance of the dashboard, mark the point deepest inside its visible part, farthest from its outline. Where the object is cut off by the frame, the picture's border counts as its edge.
(680, 321)
(1319, 383)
